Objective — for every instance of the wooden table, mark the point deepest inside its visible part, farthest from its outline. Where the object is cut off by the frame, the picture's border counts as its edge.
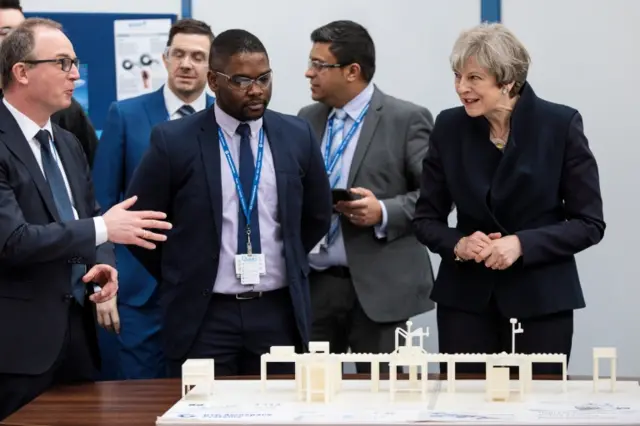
(130, 403)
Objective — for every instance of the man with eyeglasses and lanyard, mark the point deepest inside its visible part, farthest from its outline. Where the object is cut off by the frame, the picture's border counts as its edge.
(135, 350)
(72, 118)
(369, 274)
(249, 198)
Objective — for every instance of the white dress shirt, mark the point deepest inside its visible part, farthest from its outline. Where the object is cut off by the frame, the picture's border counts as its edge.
(174, 103)
(336, 255)
(267, 204)
(30, 130)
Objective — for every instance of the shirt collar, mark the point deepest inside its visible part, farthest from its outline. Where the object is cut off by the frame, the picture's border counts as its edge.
(354, 107)
(230, 124)
(174, 103)
(28, 127)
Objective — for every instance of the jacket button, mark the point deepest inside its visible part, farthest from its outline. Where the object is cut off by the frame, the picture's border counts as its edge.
(206, 292)
(67, 297)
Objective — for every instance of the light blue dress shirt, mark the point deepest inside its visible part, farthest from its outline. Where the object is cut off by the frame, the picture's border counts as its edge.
(335, 255)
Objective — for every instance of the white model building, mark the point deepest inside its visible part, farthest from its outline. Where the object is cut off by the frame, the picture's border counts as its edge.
(198, 372)
(318, 373)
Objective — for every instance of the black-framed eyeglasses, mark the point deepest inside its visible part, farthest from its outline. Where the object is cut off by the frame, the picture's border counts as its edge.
(243, 83)
(320, 65)
(65, 63)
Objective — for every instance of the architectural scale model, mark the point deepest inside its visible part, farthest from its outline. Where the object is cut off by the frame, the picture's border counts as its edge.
(318, 373)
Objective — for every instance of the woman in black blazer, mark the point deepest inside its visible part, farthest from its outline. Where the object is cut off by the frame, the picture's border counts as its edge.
(525, 185)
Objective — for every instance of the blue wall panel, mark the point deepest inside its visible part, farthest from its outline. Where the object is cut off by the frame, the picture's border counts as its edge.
(93, 40)
(187, 8)
(489, 9)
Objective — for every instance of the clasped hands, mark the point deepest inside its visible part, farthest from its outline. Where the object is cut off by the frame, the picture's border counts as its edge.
(496, 251)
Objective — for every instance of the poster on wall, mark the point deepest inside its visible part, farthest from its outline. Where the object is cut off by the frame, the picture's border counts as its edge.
(81, 90)
(139, 45)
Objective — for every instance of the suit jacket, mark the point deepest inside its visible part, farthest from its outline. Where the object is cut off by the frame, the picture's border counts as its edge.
(181, 174)
(124, 140)
(393, 276)
(38, 251)
(544, 189)
(76, 121)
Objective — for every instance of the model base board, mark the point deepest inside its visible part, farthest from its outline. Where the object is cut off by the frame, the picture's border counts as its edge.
(245, 402)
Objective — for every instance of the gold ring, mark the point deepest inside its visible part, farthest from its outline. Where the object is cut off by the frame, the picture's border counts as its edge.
(144, 234)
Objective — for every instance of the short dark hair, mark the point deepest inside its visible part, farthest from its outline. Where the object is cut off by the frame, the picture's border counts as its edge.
(233, 42)
(189, 26)
(350, 43)
(10, 4)
(19, 44)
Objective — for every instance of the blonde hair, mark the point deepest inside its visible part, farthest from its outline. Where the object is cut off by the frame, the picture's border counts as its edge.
(496, 49)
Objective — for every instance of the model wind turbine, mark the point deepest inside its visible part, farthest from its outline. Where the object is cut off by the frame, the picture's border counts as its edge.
(516, 328)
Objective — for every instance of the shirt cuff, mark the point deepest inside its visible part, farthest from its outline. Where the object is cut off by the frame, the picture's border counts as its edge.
(381, 229)
(101, 231)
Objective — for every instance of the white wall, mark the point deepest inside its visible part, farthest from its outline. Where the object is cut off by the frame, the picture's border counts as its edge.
(106, 6)
(586, 57)
(413, 43)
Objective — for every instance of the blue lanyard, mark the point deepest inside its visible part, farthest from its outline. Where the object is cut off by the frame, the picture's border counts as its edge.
(330, 162)
(234, 172)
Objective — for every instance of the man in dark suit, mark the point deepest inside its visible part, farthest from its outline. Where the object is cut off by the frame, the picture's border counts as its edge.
(370, 274)
(73, 118)
(53, 242)
(136, 351)
(526, 189)
(248, 196)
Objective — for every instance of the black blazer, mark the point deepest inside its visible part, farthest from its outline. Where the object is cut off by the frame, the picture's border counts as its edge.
(545, 190)
(181, 174)
(77, 122)
(37, 251)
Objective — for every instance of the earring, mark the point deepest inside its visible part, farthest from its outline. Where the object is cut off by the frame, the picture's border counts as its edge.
(505, 90)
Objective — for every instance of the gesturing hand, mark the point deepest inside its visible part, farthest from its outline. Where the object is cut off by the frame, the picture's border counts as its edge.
(107, 278)
(471, 246)
(131, 227)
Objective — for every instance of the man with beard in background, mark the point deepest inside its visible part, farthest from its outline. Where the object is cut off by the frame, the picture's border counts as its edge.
(247, 194)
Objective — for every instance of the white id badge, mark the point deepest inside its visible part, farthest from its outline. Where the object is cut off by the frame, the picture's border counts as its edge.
(261, 261)
(249, 269)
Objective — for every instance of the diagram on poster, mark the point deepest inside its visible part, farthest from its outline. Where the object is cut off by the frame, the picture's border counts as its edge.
(139, 46)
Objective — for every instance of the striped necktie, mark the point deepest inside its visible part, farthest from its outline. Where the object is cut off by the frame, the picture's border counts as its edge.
(186, 110)
(337, 133)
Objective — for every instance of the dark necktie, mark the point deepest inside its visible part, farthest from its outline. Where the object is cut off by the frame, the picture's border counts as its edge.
(185, 110)
(53, 174)
(247, 172)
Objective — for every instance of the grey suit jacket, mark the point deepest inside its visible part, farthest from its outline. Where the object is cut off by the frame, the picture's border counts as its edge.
(393, 276)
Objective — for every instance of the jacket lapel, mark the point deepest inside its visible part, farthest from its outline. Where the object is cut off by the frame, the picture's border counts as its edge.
(14, 139)
(70, 167)
(276, 140)
(318, 120)
(210, 149)
(366, 134)
(156, 108)
(506, 177)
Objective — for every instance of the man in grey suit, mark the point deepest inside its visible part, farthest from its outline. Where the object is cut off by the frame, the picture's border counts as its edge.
(369, 274)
